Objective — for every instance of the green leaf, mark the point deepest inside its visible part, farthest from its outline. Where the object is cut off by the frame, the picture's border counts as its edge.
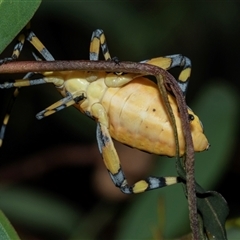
(14, 17)
(39, 210)
(212, 207)
(214, 211)
(7, 231)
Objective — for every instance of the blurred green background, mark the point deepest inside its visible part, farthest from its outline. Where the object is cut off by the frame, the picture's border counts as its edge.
(48, 167)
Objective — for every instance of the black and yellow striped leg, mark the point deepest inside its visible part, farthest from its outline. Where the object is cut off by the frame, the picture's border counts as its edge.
(18, 46)
(17, 84)
(33, 39)
(10, 105)
(61, 104)
(171, 61)
(98, 39)
(112, 162)
(29, 35)
(16, 51)
(23, 82)
(7, 115)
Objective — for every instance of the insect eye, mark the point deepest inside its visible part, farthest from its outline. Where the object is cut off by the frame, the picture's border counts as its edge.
(190, 117)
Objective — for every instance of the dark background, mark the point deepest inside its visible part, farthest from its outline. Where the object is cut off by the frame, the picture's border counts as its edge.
(54, 160)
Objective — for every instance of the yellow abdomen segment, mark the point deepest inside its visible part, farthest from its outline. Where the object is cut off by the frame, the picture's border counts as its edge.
(138, 118)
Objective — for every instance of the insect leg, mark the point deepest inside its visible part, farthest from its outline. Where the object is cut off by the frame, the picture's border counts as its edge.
(61, 104)
(98, 39)
(112, 162)
(7, 115)
(34, 40)
(23, 83)
(9, 107)
(58, 82)
(28, 35)
(171, 61)
(16, 50)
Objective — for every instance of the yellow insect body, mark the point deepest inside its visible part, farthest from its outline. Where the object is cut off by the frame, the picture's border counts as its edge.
(127, 107)
(135, 111)
(138, 118)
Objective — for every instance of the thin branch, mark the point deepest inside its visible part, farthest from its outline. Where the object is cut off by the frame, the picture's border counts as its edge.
(189, 163)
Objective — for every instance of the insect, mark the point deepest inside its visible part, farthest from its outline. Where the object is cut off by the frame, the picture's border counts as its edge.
(127, 107)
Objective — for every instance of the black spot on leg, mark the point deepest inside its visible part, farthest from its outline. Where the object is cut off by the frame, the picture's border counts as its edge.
(154, 110)
(104, 139)
(79, 98)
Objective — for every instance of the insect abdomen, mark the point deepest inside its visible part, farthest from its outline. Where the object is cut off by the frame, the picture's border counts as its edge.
(138, 118)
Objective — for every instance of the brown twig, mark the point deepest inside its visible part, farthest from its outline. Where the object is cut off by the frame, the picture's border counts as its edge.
(189, 163)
